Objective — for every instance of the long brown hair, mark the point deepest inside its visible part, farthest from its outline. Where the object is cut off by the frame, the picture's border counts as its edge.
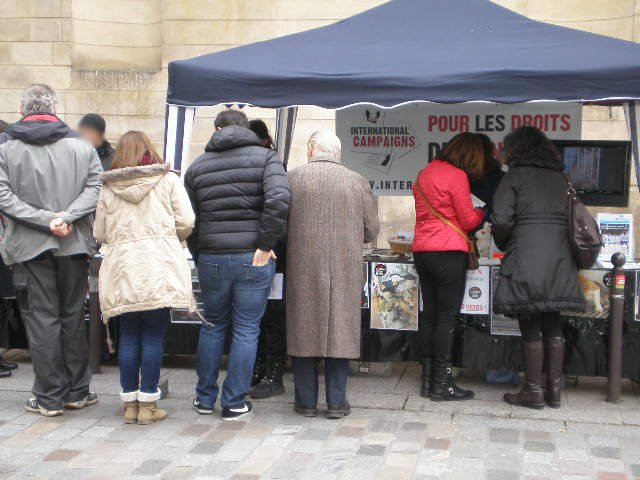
(134, 150)
(466, 152)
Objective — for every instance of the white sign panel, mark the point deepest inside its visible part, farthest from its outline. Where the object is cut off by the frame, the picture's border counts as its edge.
(477, 292)
(390, 146)
(617, 235)
(277, 287)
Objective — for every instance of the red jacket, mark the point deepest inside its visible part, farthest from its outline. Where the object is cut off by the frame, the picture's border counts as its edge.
(448, 191)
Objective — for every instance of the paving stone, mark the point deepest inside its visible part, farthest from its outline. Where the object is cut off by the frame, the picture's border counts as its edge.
(372, 450)
(196, 430)
(533, 446)
(206, 448)
(314, 434)
(62, 455)
(414, 426)
(355, 432)
(570, 467)
(151, 467)
(504, 435)
(608, 465)
(611, 476)
(537, 436)
(502, 475)
(438, 443)
(606, 452)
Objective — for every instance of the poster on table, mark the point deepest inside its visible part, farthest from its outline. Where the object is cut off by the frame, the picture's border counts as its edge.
(501, 324)
(477, 292)
(389, 147)
(394, 296)
(364, 302)
(617, 235)
(595, 285)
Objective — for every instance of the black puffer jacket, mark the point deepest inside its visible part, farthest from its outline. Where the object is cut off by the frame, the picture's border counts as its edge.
(239, 192)
(530, 223)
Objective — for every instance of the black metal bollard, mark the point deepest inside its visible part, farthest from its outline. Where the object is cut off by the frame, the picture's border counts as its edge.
(614, 384)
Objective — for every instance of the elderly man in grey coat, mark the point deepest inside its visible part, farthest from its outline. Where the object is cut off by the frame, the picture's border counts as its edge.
(49, 188)
(332, 215)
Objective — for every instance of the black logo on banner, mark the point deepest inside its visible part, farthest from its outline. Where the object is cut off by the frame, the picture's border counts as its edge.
(373, 117)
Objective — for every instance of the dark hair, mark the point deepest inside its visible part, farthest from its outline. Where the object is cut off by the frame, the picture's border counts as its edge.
(3, 126)
(465, 152)
(529, 146)
(231, 117)
(94, 122)
(490, 161)
(262, 131)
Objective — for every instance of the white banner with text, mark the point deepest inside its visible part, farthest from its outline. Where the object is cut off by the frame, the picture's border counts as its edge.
(390, 146)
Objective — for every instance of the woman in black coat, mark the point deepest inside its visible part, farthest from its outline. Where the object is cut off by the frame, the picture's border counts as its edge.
(538, 276)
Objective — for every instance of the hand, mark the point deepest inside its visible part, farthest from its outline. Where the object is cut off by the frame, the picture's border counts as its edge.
(59, 228)
(261, 258)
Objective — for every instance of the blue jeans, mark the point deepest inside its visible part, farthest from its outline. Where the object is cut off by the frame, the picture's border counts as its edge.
(140, 349)
(305, 377)
(232, 291)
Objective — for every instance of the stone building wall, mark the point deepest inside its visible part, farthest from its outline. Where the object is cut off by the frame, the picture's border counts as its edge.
(110, 57)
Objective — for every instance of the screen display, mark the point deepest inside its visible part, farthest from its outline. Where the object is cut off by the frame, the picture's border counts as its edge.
(599, 171)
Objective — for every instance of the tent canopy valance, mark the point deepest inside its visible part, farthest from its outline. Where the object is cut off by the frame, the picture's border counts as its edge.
(444, 51)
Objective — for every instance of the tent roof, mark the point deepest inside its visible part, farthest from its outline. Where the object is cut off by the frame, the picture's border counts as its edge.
(446, 51)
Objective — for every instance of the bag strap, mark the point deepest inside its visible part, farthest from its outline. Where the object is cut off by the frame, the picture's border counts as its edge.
(439, 216)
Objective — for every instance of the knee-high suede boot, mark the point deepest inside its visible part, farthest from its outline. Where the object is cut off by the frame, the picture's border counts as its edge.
(554, 351)
(531, 394)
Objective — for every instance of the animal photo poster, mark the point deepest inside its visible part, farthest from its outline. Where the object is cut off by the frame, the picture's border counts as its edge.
(594, 284)
(394, 296)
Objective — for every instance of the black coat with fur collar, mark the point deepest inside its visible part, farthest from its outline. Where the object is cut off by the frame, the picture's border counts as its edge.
(530, 223)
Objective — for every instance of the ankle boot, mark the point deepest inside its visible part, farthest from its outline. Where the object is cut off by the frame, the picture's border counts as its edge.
(131, 412)
(130, 401)
(272, 384)
(531, 395)
(554, 351)
(148, 412)
(259, 370)
(425, 389)
(443, 387)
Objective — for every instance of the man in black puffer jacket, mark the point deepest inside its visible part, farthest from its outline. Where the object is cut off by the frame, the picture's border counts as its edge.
(240, 195)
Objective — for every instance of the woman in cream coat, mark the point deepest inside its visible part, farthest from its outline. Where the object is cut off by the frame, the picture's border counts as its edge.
(143, 215)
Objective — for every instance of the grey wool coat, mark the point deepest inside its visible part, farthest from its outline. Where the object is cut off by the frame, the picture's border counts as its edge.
(332, 215)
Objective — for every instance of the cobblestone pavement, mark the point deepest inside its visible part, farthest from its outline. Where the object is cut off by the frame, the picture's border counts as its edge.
(391, 434)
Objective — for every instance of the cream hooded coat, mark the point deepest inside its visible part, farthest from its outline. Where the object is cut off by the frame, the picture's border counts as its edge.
(142, 217)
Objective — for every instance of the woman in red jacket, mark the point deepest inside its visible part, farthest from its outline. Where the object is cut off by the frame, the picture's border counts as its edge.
(440, 253)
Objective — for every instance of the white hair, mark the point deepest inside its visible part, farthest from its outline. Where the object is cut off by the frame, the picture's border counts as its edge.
(38, 98)
(325, 144)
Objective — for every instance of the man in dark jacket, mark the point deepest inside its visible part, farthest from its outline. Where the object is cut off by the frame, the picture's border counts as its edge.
(92, 127)
(49, 188)
(240, 195)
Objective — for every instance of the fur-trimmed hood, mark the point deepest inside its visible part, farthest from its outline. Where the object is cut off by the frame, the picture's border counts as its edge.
(133, 184)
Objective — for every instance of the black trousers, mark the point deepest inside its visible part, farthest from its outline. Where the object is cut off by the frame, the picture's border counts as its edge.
(536, 326)
(273, 331)
(51, 292)
(443, 277)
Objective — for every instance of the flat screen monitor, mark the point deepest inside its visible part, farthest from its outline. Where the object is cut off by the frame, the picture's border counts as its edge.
(599, 170)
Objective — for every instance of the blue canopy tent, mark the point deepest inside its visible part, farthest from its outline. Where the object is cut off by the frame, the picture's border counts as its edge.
(444, 51)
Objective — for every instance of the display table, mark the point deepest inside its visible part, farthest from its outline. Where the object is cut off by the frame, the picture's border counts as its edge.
(482, 341)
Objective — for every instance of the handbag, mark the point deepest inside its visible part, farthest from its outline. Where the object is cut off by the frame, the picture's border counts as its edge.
(584, 234)
(473, 257)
